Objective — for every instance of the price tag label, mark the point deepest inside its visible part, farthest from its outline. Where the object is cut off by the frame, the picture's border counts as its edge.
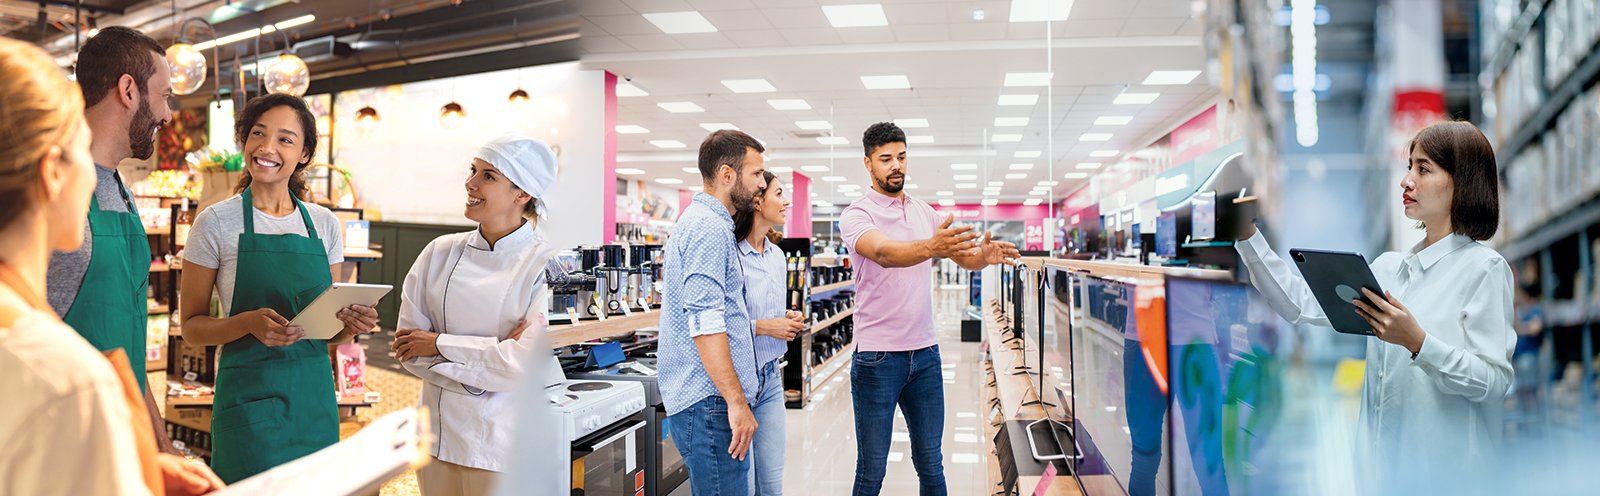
(994, 412)
(189, 376)
(1044, 481)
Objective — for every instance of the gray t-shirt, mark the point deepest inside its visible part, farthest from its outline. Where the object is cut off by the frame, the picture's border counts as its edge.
(214, 239)
(67, 268)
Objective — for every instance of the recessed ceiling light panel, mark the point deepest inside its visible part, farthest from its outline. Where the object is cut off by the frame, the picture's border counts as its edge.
(681, 22)
(855, 16)
(813, 124)
(631, 129)
(815, 168)
(833, 140)
(1113, 120)
(1170, 77)
(1104, 153)
(625, 90)
(1095, 137)
(668, 143)
(1030, 154)
(1135, 98)
(1040, 10)
(718, 126)
(680, 107)
(630, 172)
(963, 166)
(795, 104)
(1089, 165)
(890, 82)
(749, 85)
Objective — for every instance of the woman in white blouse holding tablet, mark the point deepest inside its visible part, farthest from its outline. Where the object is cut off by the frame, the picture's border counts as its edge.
(464, 307)
(1439, 366)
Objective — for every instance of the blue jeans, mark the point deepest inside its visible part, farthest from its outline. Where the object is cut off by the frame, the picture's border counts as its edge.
(879, 381)
(703, 435)
(767, 448)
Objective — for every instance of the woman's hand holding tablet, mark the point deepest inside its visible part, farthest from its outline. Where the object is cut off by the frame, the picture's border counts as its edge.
(1391, 321)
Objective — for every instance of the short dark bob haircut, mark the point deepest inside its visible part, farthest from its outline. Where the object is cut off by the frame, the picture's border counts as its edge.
(1461, 150)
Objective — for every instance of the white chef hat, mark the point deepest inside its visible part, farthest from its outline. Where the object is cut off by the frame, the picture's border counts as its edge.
(527, 162)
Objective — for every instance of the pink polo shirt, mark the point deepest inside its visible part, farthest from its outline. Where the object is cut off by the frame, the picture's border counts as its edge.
(894, 307)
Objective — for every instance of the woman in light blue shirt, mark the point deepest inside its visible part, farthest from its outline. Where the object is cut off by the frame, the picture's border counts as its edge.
(765, 285)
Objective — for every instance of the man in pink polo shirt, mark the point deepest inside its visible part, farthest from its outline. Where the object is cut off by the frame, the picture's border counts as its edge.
(893, 239)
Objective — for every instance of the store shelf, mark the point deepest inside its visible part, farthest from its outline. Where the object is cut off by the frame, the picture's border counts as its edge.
(155, 365)
(823, 325)
(831, 287)
(567, 335)
(1511, 41)
(1556, 103)
(157, 232)
(159, 309)
(1548, 233)
(821, 374)
(172, 267)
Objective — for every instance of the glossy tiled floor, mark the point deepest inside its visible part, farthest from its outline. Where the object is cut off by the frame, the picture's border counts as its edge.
(822, 445)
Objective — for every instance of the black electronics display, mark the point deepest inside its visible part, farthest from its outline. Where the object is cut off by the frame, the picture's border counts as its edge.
(1167, 234)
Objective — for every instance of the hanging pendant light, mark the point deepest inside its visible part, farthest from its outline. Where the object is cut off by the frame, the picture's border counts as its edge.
(518, 99)
(188, 68)
(287, 74)
(451, 115)
(367, 120)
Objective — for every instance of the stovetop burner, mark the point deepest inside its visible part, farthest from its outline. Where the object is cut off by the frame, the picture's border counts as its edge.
(589, 386)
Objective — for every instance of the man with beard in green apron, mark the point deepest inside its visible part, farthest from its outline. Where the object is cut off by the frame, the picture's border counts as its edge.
(269, 255)
(99, 289)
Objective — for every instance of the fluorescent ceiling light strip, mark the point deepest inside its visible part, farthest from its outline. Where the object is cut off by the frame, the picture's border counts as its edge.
(854, 16)
(681, 22)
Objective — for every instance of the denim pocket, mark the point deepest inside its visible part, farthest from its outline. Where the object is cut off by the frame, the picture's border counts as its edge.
(869, 357)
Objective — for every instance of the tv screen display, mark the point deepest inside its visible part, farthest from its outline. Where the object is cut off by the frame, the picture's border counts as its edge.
(1167, 234)
(1055, 350)
(1204, 216)
(1119, 395)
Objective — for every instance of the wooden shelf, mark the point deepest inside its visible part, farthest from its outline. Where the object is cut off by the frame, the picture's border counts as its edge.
(1013, 391)
(172, 267)
(823, 326)
(831, 287)
(567, 335)
(155, 365)
(159, 309)
(821, 374)
(157, 232)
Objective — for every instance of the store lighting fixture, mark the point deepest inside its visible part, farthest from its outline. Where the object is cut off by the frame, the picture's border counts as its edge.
(1169, 77)
(780, 170)
(1006, 138)
(989, 190)
(1032, 201)
(919, 139)
(833, 179)
(188, 68)
(629, 89)
(631, 129)
(1095, 137)
(669, 180)
(910, 123)
(852, 194)
(1135, 98)
(697, 188)
(1104, 153)
(890, 82)
(810, 125)
(911, 186)
(1113, 120)
(945, 193)
(977, 14)
(795, 104)
(691, 170)
(833, 140)
(718, 126)
(681, 22)
(1018, 175)
(630, 172)
(855, 16)
(963, 166)
(1024, 166)
(1029, 154)
(749, 85)
(990, 202)
(1016, 100)
(815, 168)
(946, 202)
(820, 203)
(965, 177)
(518, 99)
(1075, 175)
(1010, 121)
(367, 120)
(1027, 79)
(680, 107)
(997, 183)
(668, 144)
(256, 32)
(1047, 183)
(1040, 10)
(1303, 39)
(451, 115)
(966, 185)
(1088, 165)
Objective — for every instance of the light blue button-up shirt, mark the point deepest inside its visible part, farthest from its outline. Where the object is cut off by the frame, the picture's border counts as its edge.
(702, 294)
(765, 285)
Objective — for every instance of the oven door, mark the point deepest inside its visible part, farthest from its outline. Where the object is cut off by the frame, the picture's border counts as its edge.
(673, 471)
(611, 461)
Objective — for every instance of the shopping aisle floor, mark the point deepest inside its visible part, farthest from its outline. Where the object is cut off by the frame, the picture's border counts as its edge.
(822, 437)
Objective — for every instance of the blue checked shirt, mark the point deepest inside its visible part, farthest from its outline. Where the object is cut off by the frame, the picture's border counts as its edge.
(703, 294)
(765, 284)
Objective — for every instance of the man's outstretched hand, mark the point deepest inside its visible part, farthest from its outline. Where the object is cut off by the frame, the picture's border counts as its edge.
(998, 252)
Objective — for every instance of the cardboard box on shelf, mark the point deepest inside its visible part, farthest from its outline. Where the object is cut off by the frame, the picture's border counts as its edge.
(193, 418)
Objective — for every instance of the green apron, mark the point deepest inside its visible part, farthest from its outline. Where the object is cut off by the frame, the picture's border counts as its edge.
(274, 404)
(110, 310)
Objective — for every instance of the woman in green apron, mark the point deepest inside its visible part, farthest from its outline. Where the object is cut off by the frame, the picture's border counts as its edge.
(268, 255)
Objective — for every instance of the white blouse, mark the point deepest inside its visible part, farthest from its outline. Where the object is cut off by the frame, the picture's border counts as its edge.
(474, 296)
(1434, 423)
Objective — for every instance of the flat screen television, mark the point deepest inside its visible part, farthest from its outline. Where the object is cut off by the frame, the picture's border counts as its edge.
(1167, 234)
(1055, 356)
(1203, 217)
(1119, 404)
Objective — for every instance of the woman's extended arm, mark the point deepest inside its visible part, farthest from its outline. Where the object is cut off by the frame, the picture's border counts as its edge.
(1285, 291)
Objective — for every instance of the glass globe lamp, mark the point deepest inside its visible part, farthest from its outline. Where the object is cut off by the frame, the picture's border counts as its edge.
(188, 68)
(518, 99)
(367, 120)
(452, 116)
(287, 74)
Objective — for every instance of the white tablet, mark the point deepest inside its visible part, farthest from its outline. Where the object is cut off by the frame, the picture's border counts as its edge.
(321, 317)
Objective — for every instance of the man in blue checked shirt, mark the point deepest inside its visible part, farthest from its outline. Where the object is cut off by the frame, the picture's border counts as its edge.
(707, 355)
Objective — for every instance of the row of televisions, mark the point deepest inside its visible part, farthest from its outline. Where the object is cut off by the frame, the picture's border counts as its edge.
(1140, 376)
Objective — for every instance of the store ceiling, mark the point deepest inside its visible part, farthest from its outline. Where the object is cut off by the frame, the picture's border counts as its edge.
(956, 67)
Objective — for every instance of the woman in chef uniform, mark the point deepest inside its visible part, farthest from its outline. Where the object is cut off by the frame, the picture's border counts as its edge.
(268, 255)
(464, 307)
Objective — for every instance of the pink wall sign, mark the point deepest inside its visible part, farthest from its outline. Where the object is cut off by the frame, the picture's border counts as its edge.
(1032, 217)
(609, 180)
(797, 221)
(1196, 137)
(685, 197)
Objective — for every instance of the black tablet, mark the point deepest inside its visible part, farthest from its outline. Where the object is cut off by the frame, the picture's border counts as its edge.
(1336, 279)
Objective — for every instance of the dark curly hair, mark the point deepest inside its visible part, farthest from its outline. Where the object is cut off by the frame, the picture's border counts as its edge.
(881, 134)
(1462, 151)
(308, 136)
(117, 50)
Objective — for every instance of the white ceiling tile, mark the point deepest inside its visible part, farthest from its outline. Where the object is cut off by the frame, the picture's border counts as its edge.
(586, 28)
(654, 6)
(1092, 28)
(1193, 27)
(883, 34)
(605, 44)
(809, 17)
(704, 41)
(811, 36)
(1101, 9)
(921, 32)
(764, 38)
(1162, 8)
(604, 7)
(917, 13)
(737, 20)
(651, 42)
(962, 31)
(624, 24)
(781, 4)
(1151, 27)
(710, 5)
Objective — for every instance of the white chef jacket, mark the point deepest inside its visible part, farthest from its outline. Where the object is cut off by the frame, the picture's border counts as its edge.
(474, 296)
(1430, 425)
